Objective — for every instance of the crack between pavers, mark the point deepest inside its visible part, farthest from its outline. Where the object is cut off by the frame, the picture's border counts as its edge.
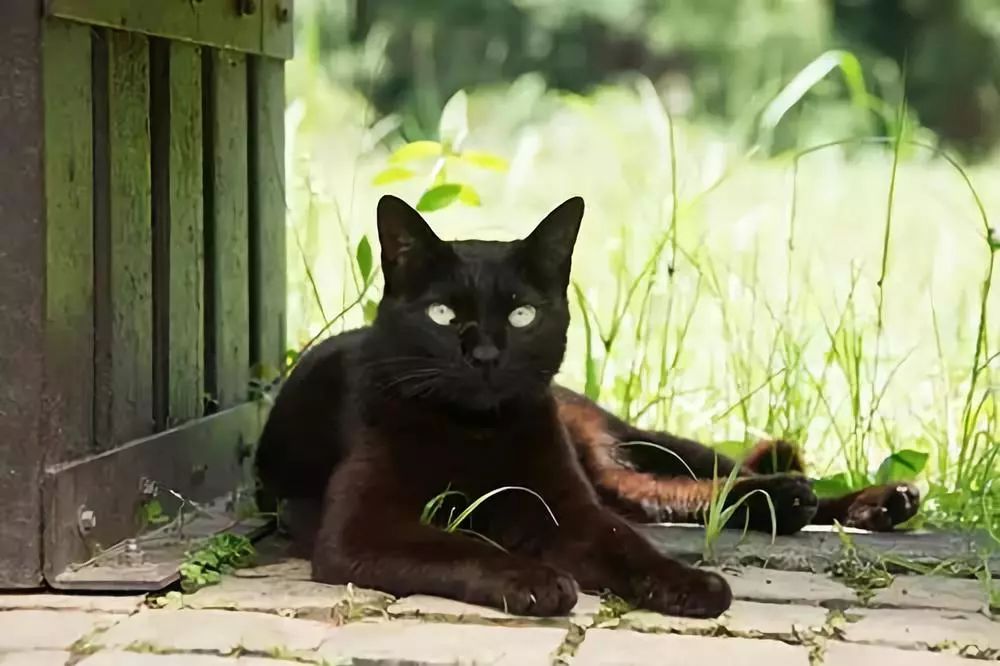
(145, 647)
(967, 651)
(85, 646)
(564, 654)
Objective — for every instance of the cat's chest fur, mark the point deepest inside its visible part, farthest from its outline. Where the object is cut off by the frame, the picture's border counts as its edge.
(433, 450)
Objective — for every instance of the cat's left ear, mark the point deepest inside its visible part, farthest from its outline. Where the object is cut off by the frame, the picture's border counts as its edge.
(549, 248)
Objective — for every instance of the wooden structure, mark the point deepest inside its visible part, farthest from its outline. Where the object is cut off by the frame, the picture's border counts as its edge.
(141, 260)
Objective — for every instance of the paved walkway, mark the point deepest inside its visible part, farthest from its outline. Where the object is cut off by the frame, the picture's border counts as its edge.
(273, 615)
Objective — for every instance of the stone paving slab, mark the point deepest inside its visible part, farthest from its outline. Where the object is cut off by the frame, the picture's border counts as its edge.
(35, 658)
(290, 597)
(932, 592)
(816, 547)
(289, 569)
(773, 585)
(612, 647)
(744, 618)
(214, 631)
(420, 605)
(84, 602)
(851, 654)
(48, 629)
(415, 643)
(915, 629)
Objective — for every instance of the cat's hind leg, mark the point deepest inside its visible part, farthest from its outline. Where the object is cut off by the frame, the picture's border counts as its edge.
(675, 479)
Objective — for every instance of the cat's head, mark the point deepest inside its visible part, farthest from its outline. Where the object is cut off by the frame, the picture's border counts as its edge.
(470, 324)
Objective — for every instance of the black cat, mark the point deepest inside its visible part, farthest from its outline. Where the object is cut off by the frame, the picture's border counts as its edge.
(451, 388)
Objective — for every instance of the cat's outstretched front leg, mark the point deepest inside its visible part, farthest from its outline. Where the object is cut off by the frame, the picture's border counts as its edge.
(602, 551)
(372, 540)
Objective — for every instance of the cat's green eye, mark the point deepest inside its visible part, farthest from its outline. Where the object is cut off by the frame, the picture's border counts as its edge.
(440, 314)
(521, 316)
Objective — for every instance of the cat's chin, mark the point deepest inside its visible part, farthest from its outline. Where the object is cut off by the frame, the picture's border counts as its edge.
(488, 403)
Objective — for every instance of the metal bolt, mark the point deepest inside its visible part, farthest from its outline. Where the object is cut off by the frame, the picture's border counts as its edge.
(283, 14)
(86, 520)
(248, 7)
(132, 555)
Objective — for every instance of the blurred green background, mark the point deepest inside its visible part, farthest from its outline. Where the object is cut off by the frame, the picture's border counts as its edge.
(790, 205)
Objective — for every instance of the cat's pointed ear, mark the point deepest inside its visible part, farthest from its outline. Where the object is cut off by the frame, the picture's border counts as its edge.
(406, 240)
(549, 248)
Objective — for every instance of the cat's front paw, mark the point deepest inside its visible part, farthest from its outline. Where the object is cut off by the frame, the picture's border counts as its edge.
(791, 495)
(881, 508)
(685, 591)
(538, 590)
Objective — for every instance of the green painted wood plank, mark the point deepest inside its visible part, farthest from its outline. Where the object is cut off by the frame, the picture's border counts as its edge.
(278, 37)
(69, 279)
(187, 353)
(227, 224)
(267, 214)
(230, 24)
(124, 243)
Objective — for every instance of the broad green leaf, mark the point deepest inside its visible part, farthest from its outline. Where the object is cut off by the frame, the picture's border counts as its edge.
(415, 150)
(392, 175)
(469, 196)
(439, 197)
(364, 258)
(832, 486)
(454, 124)
(902, 465)
(734, 448)
(370, 309)
(484, 160)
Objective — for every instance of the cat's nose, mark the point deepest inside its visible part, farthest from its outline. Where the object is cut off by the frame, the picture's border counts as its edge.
(485, 355)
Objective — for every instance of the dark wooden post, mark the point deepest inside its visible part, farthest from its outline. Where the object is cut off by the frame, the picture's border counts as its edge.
(22, 293)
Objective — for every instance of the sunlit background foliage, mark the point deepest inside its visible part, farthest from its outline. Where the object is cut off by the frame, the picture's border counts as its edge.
(791, 205)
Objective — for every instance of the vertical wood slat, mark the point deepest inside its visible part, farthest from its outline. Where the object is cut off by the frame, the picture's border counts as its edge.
(178, 210)
(187, 255)
(123, 245)
(227, 302)
(22, 256)
(69, 314)
(266, 104)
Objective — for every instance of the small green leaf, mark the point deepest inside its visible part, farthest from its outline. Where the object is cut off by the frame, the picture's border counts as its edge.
(902, 465)
(454, 124)
(364, 258)
(392, 174)
(439, 197)
(415, 150)
(370, 309)
(484, 160)
(832, 486)
(469, 196)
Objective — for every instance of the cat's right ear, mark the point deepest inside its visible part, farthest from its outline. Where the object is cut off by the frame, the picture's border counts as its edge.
(407, 242)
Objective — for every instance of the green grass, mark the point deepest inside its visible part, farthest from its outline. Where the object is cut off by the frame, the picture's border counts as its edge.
(840, 296)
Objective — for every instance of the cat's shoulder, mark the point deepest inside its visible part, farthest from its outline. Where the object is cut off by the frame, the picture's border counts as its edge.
(333, 355)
